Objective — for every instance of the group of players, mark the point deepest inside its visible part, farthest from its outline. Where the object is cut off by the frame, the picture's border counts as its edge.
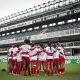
(31, 59)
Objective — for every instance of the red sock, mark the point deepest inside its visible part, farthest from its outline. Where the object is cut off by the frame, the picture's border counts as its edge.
(19, 66)
(59, 70)
(34, 67)
(45, 71)
(33, 70)
(15, 70)
(10, 68)
(24, 71)
(63, 69)
(51, 71)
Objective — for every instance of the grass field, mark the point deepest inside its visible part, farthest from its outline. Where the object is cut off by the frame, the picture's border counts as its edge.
(72, 73)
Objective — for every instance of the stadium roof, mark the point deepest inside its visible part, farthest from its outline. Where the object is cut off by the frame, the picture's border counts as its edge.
(53, 4)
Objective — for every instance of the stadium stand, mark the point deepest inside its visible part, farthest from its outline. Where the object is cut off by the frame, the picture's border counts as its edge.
(49, 29)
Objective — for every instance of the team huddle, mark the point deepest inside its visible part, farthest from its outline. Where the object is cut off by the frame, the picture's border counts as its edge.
(31, 59)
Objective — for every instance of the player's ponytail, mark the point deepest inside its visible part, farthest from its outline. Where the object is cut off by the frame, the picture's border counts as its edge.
(49, 44)
(42, 46)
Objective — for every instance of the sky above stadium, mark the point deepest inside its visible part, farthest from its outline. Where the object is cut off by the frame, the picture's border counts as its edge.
(8, 7)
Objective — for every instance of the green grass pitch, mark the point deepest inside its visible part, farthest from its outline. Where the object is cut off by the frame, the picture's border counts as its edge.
(72, 73)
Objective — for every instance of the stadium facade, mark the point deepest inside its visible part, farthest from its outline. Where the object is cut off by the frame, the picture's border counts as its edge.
(55, 21)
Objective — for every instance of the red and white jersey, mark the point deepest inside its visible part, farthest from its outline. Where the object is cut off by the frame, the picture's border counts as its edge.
(49, 52)
(61, 51)
(42, 55)
(25, 50)
(15, 49)
(19, 59)
(33, 53)
(56, 54)
(10, 53)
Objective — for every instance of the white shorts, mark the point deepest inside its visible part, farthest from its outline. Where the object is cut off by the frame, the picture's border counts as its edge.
(33, 58)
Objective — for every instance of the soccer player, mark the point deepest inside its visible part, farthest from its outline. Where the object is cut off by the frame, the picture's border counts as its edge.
(15, 49)
(56, 58)
(19, 60)
(25, 56)
(49, 51)
(62, 59)
(42, 58)
(10, 65)
(33, 58)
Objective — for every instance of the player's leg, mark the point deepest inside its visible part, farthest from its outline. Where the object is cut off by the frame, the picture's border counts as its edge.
(24, 66)
(15, 66)
(34, 67)
(19, 66)
(45, 67)
(28, 65)
(38, 67)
